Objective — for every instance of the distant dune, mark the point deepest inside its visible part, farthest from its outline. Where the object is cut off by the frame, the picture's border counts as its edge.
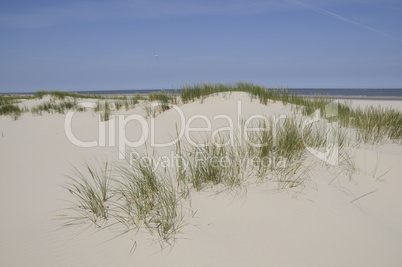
(311, 214)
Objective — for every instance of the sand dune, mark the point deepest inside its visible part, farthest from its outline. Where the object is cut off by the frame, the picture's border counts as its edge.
(322, 225)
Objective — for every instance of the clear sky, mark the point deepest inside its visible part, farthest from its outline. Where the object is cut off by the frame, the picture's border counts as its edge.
(107, 45)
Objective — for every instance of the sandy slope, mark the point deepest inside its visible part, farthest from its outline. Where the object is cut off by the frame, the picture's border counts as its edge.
(259, 227)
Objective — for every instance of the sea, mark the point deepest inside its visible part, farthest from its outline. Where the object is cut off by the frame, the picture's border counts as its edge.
(345, 93)
(341, 93)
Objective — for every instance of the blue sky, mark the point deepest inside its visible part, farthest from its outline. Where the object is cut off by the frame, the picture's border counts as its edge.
(107, 45)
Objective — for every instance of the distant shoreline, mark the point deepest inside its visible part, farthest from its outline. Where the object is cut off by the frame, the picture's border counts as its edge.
(344, 94)
(343, 97)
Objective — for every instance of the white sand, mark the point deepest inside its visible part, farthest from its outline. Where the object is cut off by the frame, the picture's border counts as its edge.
(396, 104)
(319, 227)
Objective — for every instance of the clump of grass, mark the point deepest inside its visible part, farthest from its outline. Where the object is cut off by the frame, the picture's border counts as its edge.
(164, 103)
(197, 91)
(149, 200)
(13, 99)
(8, 105)
(160, 96)
(315, 103)
(12, 110)
(181, 169)
(200, 91)
(278, 139)
(236, 165)
(280, 149)
(150, 110)
(91, 190)
(126, 102)
(131, 102)
(104, 108)
(213, 162)
(52, 107)
(135, 196)
(164, 98)
(61, 95)
(207, 165)
(375, 125)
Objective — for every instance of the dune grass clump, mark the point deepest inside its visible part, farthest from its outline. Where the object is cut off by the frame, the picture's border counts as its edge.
(277, 149)
(191, 93)
(164, 98)
(12, 110)
(277, 145)
(181, 169)
(52, 107)
(104, 108)
(92, 192)
(198, 91)
(123, 101)
(375, 125)
(263, 94)
(152, 108)
(61, 95)
(13, 99)
(8, 105)
(149, 110)
(131, 102)
(164, 101)
(207, 165)
(161, 96)
(59, 103)
(236, 164)
(136, 197)
(7, 100)
(280, 149)
(315, 103)
(149, 200)
(288, 142)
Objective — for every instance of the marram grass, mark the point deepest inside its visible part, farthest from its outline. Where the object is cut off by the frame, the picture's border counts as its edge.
(372, 125)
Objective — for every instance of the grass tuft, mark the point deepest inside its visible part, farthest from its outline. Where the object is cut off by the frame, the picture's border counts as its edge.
(91, 190)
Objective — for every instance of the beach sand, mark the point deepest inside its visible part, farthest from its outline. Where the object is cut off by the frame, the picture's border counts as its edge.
(322, 224)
